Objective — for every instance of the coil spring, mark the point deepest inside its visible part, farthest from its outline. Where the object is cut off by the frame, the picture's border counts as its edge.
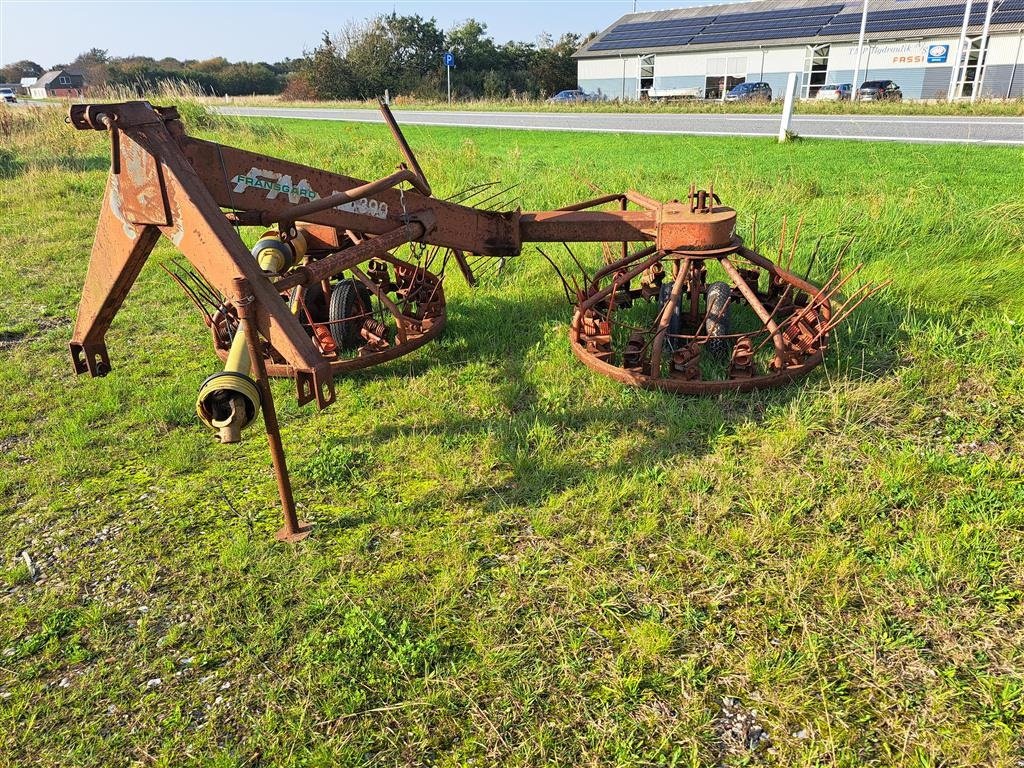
(375, 329)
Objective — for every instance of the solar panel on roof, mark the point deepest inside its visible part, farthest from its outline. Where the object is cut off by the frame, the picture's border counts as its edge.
(754, 26)
(646, 25)
(654, 27)
(635, 36)
(737, 37)
(902, 13)
(940, 22)
(845, 29)
(813, 21)
(640, 43)
(824, 10)
(654, 33)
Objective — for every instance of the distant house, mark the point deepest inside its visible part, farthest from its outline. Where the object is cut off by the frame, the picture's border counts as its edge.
(57, 84)
(26, 83)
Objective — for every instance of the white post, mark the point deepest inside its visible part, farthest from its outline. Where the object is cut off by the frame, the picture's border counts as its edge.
(787, 107)
(979, 70)
(860, 52)
(449, 71)
(958, 64)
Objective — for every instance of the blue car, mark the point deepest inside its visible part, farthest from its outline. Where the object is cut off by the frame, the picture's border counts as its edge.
(573, 96)
(750, 92)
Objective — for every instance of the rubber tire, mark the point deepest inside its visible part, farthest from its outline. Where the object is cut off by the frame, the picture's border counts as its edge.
(315, 303)
(346, 298)
(717, 323)
(675, 322)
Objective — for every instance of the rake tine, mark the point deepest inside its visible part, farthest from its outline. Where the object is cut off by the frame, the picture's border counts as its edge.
(813, 259)
(429, 260)
(496, 194)
(470, 191)
(842, 255)
(463, 198)
(489, 269)
(782, 240)
(207, 318)
(846, 310)
(819, 296)
(753, 234)
(586, 277)
(506, 204)
(200, 288)
(200, 284)
(561, 277)
(828, 297)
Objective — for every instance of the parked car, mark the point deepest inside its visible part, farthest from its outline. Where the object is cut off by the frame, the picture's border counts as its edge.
(568, 97)
(835, 92)
(880, 90)
(7, 96)
(658, 94)
(750, 92)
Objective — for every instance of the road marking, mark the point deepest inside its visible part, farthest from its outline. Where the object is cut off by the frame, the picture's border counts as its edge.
(415, 118)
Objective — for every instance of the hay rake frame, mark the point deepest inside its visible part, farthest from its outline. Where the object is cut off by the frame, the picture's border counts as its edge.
(198, 194)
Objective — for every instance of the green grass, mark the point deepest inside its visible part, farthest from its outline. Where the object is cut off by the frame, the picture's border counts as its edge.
(516, 562)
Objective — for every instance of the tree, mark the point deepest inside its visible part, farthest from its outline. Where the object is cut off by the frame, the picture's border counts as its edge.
(475, 55)
(553, 69)
(93, 65)
(245, 78)
(325, 73)
(13, 73)
(391, 52)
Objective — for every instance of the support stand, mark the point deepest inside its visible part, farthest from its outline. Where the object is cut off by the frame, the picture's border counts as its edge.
(293, 528)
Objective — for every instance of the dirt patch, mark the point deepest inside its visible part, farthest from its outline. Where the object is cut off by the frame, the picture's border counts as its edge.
(737, 729)
(13, 337)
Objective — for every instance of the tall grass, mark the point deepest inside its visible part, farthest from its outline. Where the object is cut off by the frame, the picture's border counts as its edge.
(38, 136)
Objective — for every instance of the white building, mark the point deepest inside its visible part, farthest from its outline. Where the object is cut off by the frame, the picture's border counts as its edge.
(912, 42)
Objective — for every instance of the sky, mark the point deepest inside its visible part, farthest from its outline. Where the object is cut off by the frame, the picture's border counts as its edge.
(56, 31)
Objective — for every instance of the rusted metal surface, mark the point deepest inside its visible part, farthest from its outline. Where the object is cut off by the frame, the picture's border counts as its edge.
(362, 289)
(786, 320)
(293, 529)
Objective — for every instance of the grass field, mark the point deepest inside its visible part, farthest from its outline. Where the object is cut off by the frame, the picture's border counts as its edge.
(516, 562)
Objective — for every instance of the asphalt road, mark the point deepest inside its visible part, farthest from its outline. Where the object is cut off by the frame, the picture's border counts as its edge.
(930, 129)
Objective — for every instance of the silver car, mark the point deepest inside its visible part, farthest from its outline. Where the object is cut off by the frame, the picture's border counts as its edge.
(834, 92)
(7, 96)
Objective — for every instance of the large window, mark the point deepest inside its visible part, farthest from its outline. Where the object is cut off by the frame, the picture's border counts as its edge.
(970, 73)
(646, 75)
(815, 70)
(724, 72)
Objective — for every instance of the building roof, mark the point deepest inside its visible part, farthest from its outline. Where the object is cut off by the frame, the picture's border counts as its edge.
(784, 22)
(48, 77)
